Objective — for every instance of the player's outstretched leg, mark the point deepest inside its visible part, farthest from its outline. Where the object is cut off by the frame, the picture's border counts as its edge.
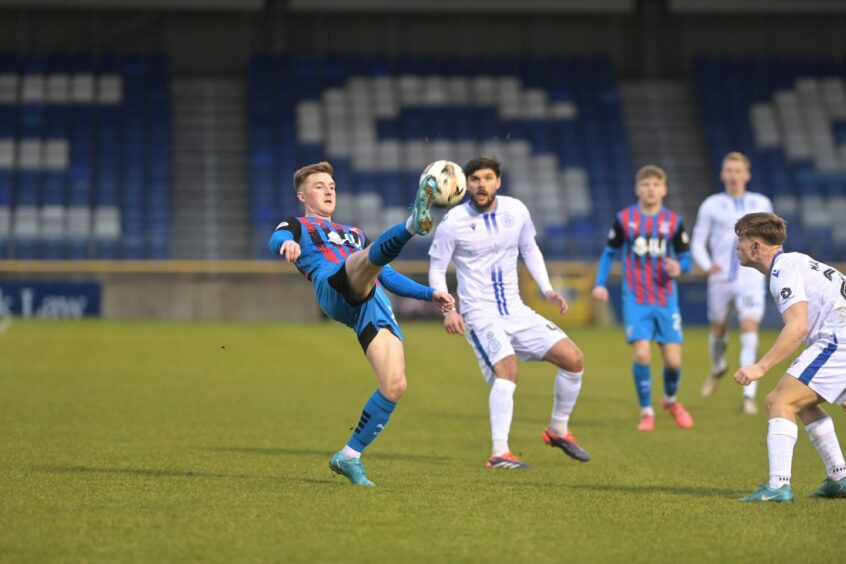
(421, 218)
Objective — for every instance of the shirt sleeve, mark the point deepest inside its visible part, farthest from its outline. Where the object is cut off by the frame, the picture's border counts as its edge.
(616, 236)
(788, 287)
(701, 232)
(531, 253)
(443, 243)
(288, 230)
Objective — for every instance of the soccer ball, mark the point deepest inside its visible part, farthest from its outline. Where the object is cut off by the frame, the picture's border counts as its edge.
(451, 182)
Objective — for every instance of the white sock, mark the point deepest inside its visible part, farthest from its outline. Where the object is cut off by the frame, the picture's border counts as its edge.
(409, 224)
(647, 411)
(749, 355)
(824, 438)
(718, 352)
(501, 405)
(565, 391)
(350, 452)
(781, 438)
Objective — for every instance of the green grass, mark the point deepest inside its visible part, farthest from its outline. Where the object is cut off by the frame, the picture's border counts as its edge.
(155, 442)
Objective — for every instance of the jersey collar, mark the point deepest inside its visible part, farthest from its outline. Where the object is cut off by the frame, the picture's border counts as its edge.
(772, 264)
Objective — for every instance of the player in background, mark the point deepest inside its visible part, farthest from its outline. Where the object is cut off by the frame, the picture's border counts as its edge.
(483, 238)
(348, 281)
(729, 285)
(654, 247)
(811, 297)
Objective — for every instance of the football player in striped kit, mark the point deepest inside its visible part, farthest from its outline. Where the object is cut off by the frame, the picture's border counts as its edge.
(654, 247)
(483, 238)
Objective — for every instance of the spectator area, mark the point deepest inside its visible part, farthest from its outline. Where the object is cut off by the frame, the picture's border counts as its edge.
(555, 124)
(84, 157)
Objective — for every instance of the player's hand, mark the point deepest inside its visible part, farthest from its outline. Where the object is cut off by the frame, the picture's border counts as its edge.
(715, 268)
(672, 267)
(444, 300)
(454, 323)
(558, 300)
(749, 374)
(600, 293)
(290, 250)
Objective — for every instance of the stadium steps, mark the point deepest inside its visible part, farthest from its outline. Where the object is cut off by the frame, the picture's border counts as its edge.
(663, 128)
(210, 167)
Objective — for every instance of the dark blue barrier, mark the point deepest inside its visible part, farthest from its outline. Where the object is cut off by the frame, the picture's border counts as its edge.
(50, 300)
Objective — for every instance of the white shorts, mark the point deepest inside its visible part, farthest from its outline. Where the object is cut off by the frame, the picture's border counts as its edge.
(822, 367)
(526, 334)
(748, 300)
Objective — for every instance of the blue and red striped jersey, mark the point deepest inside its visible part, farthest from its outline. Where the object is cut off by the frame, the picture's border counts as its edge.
(644, 241)
(323, 243)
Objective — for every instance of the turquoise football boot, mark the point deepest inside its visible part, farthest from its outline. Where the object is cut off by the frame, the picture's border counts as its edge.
(831, 488)
(351, 468)
(766, 493)
(420, 216)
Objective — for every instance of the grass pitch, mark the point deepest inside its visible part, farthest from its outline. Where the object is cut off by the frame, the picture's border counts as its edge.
(155, 442)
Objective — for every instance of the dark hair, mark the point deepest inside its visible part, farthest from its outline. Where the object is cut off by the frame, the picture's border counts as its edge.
(768, 227)
(303, 173)
(480, 163)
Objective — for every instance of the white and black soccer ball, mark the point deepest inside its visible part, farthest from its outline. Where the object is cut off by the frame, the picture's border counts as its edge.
(452, 184)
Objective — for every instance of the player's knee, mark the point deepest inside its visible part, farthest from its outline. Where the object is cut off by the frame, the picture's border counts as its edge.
(395, 389)
(642, 356)
(775, 402)
(575, 360)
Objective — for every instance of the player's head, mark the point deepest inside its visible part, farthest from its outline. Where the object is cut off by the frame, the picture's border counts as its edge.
(316, 189)
(650, 186)
(735, 173)
(484, 177)
(759, 236)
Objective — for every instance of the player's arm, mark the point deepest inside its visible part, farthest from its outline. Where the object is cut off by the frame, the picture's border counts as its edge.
(440, 253)
(284, 239)
(533, 258)
(795, 329)
(611, 253)
(681, 248)
(699, 244)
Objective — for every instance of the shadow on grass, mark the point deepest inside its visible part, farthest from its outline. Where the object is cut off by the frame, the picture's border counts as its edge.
(320, 453)
(540, 422)
(151, 472)
(672, 490)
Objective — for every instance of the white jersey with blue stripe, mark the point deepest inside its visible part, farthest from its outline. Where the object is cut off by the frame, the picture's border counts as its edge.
(484, 248)
(714, 240)
(796, 277)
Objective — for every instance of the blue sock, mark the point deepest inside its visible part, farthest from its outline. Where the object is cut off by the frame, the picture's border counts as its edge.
(389, 244)
(671, 381)
(374, 417)
(643, 383)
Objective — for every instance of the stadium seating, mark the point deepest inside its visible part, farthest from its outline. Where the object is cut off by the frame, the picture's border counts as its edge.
(84, 157)
(555, 124)
(789, 117)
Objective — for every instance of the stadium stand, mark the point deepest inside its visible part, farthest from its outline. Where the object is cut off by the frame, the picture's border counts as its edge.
(84, 156)
(555, 123)
(789, 116)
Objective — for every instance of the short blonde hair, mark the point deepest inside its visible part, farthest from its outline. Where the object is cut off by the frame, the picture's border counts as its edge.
(738, 156)
(303, 173)
(651, 171)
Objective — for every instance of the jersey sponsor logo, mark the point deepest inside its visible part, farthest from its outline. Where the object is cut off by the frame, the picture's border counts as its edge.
(653, 246)
(345, 239)
(786, 293)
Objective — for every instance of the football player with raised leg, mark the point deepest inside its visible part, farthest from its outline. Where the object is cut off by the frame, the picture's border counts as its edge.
(483, 238)
(344, 273)
(730, 286)
(811, 297)
(654, 247)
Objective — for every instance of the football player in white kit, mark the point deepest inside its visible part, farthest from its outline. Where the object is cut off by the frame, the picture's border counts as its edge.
(811, 297)
(483, 238)
(730, 287)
